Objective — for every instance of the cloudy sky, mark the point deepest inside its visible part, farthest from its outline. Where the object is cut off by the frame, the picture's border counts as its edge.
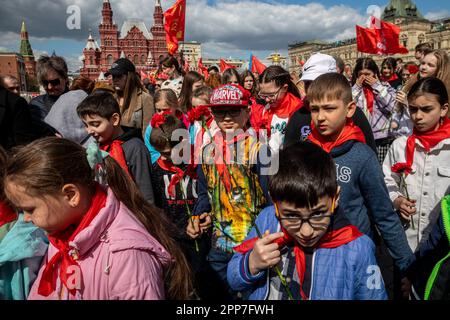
(226, 28)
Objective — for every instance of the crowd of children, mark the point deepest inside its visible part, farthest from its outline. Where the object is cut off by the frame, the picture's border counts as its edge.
(244, 190)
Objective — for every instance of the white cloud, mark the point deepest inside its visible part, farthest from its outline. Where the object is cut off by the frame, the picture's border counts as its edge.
(435, 15)
(227, 27)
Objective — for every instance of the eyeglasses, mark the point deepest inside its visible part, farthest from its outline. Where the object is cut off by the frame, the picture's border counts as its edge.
(221, 114)
(296, 222)
(270, 96)
(54, 82)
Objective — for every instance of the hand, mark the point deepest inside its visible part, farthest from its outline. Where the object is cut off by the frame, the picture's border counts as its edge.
(406, 207)
(265, 254)
(406, 287)
(401, 98)
(371, 80)
(195, 228)
(361, 79)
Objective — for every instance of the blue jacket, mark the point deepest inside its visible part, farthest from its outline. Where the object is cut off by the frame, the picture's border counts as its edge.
(364, 195)
(349, 272)
(21, 253)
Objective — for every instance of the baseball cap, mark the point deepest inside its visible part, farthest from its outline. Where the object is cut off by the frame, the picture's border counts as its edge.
(317, 65)
(121, 66)
(229, 95)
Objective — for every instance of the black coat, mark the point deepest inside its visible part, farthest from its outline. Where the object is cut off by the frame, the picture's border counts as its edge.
(16, 125)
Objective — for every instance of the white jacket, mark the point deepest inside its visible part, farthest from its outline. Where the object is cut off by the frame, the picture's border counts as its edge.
(428, 183)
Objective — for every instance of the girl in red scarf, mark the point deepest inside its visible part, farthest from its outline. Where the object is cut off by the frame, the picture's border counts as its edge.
(97, 235)
(282, 99)
(422, 160)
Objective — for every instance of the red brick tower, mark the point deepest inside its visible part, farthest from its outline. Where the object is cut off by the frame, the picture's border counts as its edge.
(159, 47)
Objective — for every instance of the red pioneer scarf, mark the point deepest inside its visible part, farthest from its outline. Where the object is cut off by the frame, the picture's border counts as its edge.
(7, 214)
(349, 132)
(64, 258)
(331, 239)
(224, 156)
(391, 79)
(179, 173)
(370, 98)
(115, 150)
(428, 139)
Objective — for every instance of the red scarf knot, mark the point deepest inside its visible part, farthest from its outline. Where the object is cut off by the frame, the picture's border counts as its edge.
(65, 259)
(167, 165)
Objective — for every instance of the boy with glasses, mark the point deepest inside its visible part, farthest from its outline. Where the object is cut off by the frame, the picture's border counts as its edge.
(231, 180)
(307, 238)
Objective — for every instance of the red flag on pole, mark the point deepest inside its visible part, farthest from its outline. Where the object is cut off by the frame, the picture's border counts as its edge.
(257, 66)
(202, 69)
(224, 66)
(174, 25)
(381, 39)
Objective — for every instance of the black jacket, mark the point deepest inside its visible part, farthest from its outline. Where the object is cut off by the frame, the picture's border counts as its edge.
(298, 127)
(16, 124)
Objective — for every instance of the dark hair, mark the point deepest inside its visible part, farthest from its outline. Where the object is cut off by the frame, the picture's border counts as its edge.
(83, 83)
(3, 159)
(248, 73)
(306, 173)
(170, 61)
(213, 68)
(186, 90)
(161, 137)
(390, 62)
(42, 168)
(228, 74)
(399, 60)
(281, 77)
(133, 83)
(55, 63)
(339, 63)
(365, 63)
(202, 91)
(430, 85)
(422, 47)
(330, 86)
(100, 103)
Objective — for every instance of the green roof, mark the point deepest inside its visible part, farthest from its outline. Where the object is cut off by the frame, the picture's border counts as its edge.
(25, 46)
(401, 9)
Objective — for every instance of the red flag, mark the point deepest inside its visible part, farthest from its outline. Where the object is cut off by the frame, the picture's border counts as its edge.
(187, 67)
(174, 25)
(202, 69)
(382, 38)
(257, 66)
(224, 66)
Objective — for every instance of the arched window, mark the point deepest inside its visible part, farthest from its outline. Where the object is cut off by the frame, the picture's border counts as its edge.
(143, 59)
(136, 59)
(404, 40)
(421, 38)
(91, 61)
(110, 59)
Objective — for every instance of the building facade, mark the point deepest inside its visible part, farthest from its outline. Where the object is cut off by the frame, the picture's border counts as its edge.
(415, 29)
(13, 64)
(192, 53)
(134, 41)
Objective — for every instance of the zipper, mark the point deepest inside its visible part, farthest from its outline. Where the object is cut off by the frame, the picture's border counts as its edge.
(312, 275)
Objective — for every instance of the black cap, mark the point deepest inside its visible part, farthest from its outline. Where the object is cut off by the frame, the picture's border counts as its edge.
(121, 66)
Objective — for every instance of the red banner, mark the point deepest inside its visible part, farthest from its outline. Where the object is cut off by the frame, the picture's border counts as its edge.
(224, 66)
(381, 39)
(202, 69)
(174, 25)
(257, 66)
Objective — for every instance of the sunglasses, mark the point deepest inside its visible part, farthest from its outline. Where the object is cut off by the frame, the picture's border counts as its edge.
(221, 114)
(54, 82)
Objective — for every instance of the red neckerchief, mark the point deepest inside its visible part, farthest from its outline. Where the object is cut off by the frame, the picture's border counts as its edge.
(221, 160)
(64, 258)
(7, 214)
(116, 152)
(428, 139)
(179, 173)
(331, 239)
(349, 132)
(370, 97)
(285, 109)
(393, 78)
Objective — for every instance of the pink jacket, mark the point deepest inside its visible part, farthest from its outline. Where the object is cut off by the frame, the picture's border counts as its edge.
(118, 259)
